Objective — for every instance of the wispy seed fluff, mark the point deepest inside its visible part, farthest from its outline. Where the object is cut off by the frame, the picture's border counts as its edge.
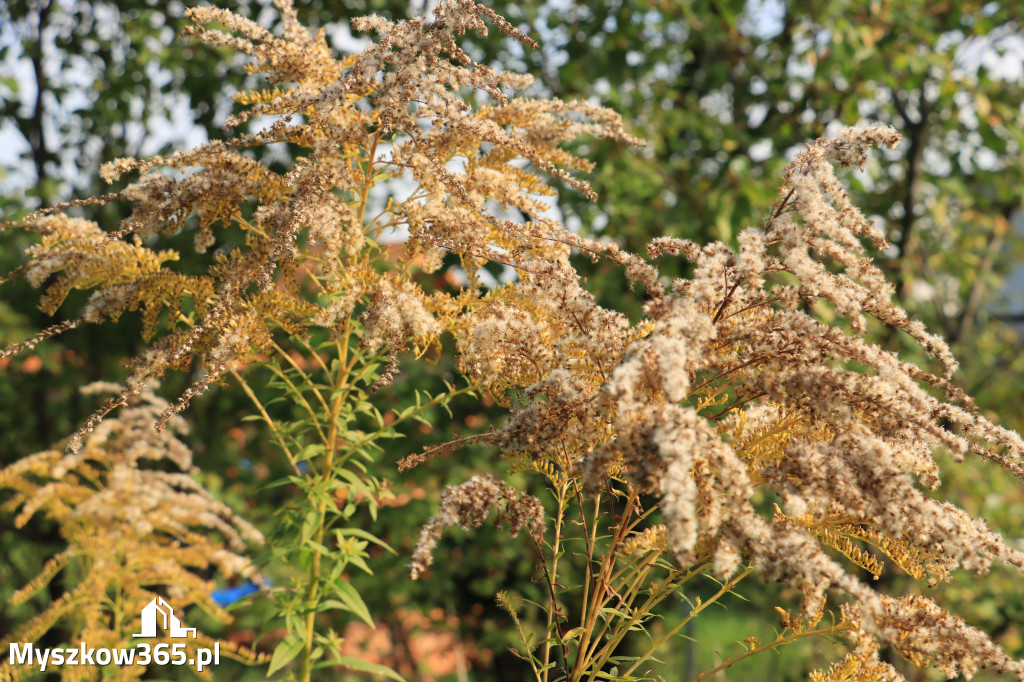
(137, 524)
(730, 385)
(467, 505)
(411, 105)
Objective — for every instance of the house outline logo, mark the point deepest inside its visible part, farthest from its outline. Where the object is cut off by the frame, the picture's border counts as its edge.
(173, 627)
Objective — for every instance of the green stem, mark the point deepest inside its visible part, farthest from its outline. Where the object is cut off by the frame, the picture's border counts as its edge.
(832, 630)
(305, 377)
(312, 589)
(667, 587)
(554, 575)
(301, 399)
(727, 587)
(637, 577)
(270, 422)
(600, 595)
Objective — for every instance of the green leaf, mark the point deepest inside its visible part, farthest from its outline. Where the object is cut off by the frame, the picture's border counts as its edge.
(313, 544)
(288, 649)
(310, 525)
(358, 562)
(369, 537)
(309, 452)
(362, 666)
(348, 594)
(573, 634)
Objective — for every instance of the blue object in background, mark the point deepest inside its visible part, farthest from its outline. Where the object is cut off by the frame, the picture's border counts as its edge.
(223, 596)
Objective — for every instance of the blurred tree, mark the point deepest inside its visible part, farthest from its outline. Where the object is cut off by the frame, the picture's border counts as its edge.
(84, 83)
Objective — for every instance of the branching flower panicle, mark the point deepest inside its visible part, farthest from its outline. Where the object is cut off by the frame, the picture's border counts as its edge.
(729, 389)
(134, 530)
(734, 385)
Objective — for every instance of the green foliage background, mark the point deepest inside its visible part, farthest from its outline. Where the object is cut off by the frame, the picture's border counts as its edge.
(722, 92)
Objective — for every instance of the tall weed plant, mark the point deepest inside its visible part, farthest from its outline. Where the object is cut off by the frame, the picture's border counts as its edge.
(743, 428)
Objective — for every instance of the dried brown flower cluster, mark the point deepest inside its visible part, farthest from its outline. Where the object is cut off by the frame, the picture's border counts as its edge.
(468, 504)
(134, 532)
(734, 385)
(397, 109)
(729, 385)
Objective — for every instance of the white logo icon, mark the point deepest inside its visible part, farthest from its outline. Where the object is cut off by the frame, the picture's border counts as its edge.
(171, 623)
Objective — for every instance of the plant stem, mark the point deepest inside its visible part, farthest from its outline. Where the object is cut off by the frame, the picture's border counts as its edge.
(312, 589)
(675, 579)
(727, 587)
(554, 573)
(779, 641)
(270, 422)
(600, 596)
